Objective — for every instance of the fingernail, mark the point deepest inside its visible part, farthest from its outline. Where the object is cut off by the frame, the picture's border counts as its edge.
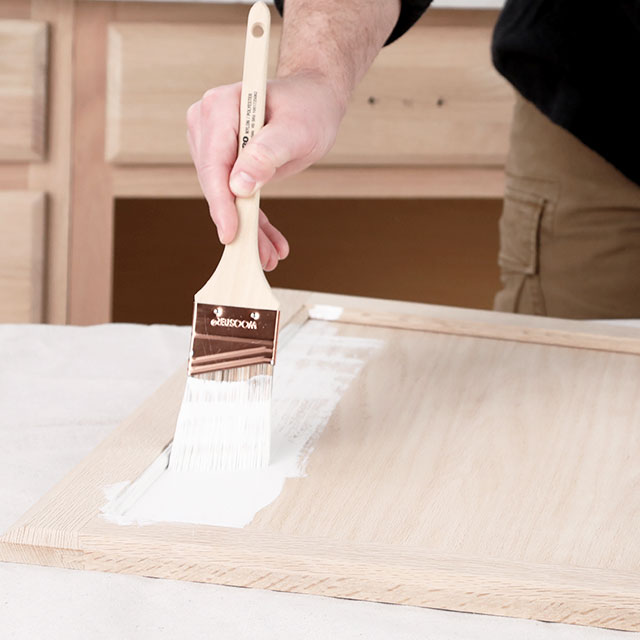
(242, 184)
(222, 233)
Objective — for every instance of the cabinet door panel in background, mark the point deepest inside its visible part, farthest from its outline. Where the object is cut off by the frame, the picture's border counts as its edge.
(23, 84)
(431, 98)
(22, 225)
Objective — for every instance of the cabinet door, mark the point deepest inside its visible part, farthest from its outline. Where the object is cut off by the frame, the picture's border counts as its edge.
(431, 98)
(22, 225)
(23, 83)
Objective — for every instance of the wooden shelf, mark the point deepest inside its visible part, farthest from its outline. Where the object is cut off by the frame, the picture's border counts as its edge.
(325, 182)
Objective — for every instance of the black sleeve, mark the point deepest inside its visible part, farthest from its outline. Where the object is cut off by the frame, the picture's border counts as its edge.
(410, 11)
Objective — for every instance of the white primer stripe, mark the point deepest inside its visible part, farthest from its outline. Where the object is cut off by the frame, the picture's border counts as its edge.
(325, 312)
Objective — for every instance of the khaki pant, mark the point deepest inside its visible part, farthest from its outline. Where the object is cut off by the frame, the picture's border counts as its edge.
(570, 227)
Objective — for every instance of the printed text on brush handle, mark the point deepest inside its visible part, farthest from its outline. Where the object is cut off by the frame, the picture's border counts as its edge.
(249, 128)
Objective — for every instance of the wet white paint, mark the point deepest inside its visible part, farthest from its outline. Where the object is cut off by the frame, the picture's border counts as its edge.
(314, 369)
(325, 312)
(223, 425)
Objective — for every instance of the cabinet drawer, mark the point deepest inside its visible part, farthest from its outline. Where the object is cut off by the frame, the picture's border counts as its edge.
(23, 83)
(431, 98)
(22, 229)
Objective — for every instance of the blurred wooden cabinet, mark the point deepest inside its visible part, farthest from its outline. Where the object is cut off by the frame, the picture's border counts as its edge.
(23, 89)
(430, 120)
(35, 141)
(430, 99)
(23, 86)
(22, 220)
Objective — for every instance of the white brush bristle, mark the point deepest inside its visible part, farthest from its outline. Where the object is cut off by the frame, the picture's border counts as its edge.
(224, 422)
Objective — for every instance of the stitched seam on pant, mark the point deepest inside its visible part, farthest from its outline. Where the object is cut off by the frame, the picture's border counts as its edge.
(547, 219)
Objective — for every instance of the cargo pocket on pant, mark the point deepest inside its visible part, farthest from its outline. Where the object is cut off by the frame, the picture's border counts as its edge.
(519, 253)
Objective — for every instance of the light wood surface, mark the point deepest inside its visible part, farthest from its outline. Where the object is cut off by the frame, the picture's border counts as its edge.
(459, 472)
(54, 175)
(91, 229)
(325, 182)
(23, 89)
(22, 244)
(432, 98)
(46, 77)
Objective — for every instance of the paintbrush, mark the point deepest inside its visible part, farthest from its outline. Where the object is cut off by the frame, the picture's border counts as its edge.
(225, 418)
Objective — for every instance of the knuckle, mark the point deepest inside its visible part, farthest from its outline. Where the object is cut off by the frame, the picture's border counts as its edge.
(209, 177)
(218, 95)
(311, 149)
(311, 139)
(308, 145)
(192, 113)
(261, 154)
(211, 95)
(210, 101)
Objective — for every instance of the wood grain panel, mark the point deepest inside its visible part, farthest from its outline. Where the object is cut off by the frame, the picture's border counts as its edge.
(485, 474)
(431, 98)
(22, 242)
(54, 176)
(154, 72)
(91, 222)
(23, 84)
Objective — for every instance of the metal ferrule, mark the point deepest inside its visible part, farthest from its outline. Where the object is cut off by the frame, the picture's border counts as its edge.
(225, 337)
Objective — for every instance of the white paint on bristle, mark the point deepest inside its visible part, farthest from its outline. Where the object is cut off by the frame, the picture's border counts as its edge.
(223, 425)
(315, 368)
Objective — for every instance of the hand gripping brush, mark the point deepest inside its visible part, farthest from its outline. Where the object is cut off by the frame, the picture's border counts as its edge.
(225, 418)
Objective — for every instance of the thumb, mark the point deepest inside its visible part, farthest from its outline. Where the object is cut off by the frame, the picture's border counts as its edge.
(257, 163)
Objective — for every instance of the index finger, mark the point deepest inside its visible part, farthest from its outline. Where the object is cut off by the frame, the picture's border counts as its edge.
(216, 146)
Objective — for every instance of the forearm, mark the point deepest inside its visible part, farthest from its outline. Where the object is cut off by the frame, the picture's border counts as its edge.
(336, 39)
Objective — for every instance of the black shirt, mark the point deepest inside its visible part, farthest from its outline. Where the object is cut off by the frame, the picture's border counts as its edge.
(578, 61)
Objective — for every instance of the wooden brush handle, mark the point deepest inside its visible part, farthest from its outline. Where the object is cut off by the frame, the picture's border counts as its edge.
(252, 107)
(239, 279)
(254, 74)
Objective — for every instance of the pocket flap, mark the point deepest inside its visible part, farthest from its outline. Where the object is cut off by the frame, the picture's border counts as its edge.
(519, 231)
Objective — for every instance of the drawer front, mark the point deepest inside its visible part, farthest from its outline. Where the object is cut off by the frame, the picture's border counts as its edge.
(23, 85)
(154, 72)
(431, 98)
(22, 231)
